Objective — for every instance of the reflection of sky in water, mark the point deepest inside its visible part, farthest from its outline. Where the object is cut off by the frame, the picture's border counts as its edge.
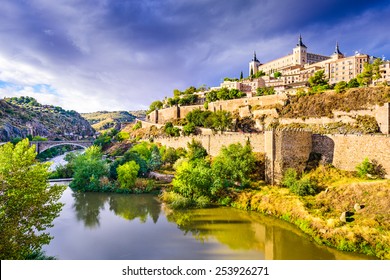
(112, 226)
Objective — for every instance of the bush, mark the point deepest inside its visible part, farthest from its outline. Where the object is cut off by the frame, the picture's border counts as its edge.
(138, 125)
(370, 169)
(88, 169)
(290, 178)
(341, 87)
(127, 174)
(189, 129)
(302, 187)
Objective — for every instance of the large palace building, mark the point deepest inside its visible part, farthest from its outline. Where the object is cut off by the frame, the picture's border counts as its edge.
(288, 73)
(296, 68)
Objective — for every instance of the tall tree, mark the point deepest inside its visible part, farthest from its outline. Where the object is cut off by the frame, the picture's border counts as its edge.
(318, 79)
(234, 163)
(28, 205)
(89, 168)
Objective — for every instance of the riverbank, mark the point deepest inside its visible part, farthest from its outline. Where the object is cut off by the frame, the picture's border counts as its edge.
(366, 231)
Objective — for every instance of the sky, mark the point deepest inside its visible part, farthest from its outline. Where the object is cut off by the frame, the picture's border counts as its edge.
(90, 55)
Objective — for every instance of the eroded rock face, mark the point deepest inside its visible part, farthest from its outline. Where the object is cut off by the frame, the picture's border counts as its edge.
(8, 132)
(21, 120)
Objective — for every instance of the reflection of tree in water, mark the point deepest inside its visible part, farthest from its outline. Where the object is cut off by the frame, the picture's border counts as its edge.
(131, 207)
(228, 226)
(88, 206)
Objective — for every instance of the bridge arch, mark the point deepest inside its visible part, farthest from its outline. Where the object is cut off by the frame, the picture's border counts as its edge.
(41, 146)
(63, 144)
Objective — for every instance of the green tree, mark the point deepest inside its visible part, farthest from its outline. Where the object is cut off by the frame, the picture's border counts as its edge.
(28, 205)
(370, 72)
(189, 129)
(89, 168)
(211, 96)
(127, 174)
(222, 120)
(193, 179)
(234, 164)
(155, 105)
(155, 161)
(195, 150)
(318, 79)
(223, 94)
(353, 83)
(340, 87)
(241, 76)
(277, 75)
(198, 117)
(365, 78)
(170, 156)
(170, 130)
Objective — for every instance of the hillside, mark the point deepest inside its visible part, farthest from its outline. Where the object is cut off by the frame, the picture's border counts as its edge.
(104, 120)
(20, 117)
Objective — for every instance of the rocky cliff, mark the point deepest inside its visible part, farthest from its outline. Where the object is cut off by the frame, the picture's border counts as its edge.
(24, 116)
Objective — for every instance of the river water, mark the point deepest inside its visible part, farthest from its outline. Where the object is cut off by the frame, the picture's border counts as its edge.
(136, 227)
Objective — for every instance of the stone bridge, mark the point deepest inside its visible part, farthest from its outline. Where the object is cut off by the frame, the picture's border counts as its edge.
(41, 146)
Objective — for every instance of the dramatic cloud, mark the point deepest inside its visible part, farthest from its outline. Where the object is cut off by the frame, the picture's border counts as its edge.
(92, 55)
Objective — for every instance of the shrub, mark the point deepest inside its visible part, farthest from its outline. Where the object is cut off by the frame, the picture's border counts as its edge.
(138, 125)
(370, 169)
(203, 202)
(302, 187)
(189, 129)
(341, 87)
(127, 174)
(290, 178)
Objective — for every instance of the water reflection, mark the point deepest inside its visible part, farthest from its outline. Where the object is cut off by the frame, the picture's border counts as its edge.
(88, 206)
(138, 207)
(240, 230)
(140, 227)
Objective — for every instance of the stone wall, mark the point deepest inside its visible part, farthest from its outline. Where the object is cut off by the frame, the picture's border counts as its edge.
(235, 104)
(184, 110)
(347, 151)
(164, 115)
(214, 143)
(291, 148)
(286, 149)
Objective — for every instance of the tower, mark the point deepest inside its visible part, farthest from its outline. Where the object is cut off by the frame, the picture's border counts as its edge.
(337, 53)
(300, 53)
(254, 65)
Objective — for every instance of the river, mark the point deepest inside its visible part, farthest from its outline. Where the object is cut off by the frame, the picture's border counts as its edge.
(136, 227)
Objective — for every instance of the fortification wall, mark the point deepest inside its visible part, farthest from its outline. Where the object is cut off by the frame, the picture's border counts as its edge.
(184, 110)
(164, 115)
(150, 124)
(235, 104)
(286, 149)
(214, 143)
(347, 151)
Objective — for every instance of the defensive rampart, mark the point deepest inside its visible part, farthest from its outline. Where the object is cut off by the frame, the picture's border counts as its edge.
(291, 148)
(214, 143)
(347, 151)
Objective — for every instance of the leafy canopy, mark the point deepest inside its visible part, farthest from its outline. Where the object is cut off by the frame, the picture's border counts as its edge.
(28, 205)
(127, 174)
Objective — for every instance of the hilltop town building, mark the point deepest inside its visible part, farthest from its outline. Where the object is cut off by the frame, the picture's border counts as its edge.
(296, 68)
